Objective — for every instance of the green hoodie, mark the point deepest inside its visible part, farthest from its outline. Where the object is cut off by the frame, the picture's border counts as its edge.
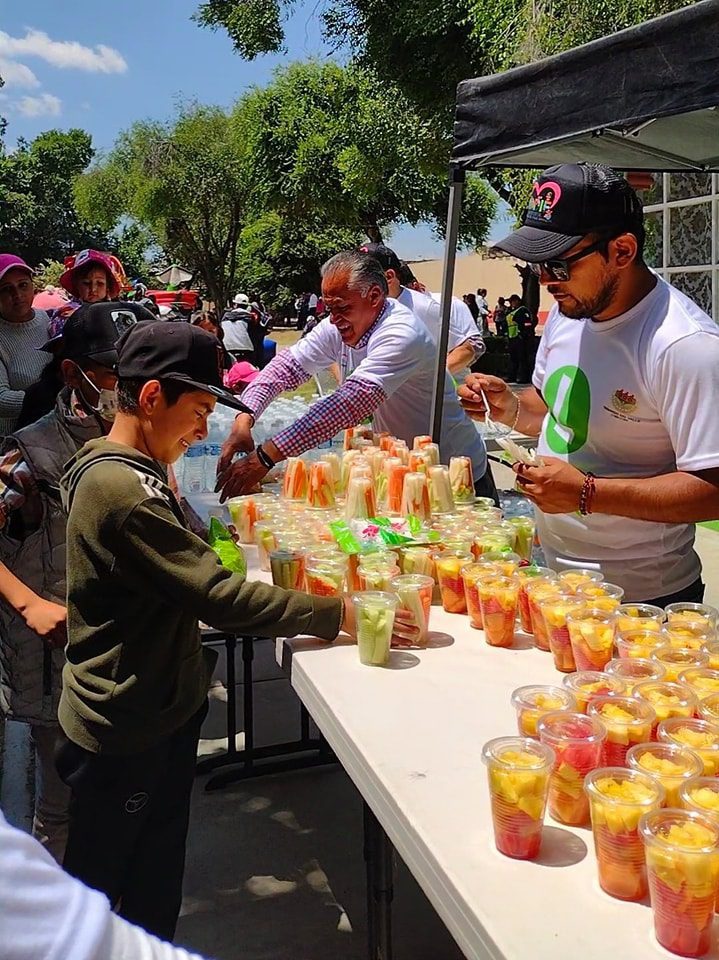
(138, 582)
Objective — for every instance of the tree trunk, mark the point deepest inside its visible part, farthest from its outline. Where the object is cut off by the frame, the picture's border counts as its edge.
(371, 228)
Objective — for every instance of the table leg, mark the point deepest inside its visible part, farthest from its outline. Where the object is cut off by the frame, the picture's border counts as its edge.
(248, 654)
(379, 856)
(230, 647)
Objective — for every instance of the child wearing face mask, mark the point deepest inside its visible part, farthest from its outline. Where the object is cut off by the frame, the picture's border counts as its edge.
(32, 542)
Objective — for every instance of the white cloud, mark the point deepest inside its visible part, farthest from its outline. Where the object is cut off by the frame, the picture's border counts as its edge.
(65, 54)
(45, 105)
(17, 75)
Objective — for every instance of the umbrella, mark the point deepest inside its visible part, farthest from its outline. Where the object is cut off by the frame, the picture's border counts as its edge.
(174, 275)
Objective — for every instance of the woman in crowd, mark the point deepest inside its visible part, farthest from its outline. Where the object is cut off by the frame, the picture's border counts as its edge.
(22, 331)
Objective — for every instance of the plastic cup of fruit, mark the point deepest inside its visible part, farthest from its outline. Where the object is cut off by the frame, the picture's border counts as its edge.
(471, 574)
(518, 771)
(538, 592)
(698, 735)
(573, 579)
(591, 634)
(556, 608)
(668, 699)
(700, 794)
(635, 616)
(634, 670)
(325, 578)
(490, 542)
(682, 856)
(524, 537)
(378, 577)
(498, 598)
(618, 799)
(414, 593)
(449, 577)
(627, 721)
(708, 708)
(669, 764)
(703, 681)
(711, 649)
(534, 702)
(685, 635)
(527, 577)
(602, 596)
(675, 660)
(702, 614)
(288, 568)
(577, 742)
(456, 544)
(374, 614)
(504, 564)
(638, 643)
(588, 684)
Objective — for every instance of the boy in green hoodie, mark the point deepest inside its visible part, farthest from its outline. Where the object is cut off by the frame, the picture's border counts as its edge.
(136, 679)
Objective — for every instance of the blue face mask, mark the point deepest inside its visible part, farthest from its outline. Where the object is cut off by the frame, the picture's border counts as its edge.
(106, 406)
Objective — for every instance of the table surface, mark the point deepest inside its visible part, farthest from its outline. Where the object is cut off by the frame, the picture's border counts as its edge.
(410, 737)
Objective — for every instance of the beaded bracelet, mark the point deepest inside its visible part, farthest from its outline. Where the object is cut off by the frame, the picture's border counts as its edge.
(589, 488)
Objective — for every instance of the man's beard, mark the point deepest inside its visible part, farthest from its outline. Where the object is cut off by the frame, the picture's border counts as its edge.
(576, 309)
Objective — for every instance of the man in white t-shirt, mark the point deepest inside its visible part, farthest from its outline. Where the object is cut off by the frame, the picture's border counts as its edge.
(465, 343)
(624, 393)
(386, 358)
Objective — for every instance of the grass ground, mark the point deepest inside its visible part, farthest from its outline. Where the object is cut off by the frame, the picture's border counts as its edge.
(285, 338)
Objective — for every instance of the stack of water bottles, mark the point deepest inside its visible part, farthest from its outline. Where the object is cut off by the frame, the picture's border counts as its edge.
(196, 471)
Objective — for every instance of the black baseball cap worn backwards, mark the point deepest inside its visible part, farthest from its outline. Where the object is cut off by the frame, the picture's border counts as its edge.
(158, 350)
(387, 257)
(91, 332)
(569, 201)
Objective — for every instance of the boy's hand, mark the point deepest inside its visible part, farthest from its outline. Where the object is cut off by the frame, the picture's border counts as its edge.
(48, 620)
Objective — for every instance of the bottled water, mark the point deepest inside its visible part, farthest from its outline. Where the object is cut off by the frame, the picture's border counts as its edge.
(213, 446)
(193, 474)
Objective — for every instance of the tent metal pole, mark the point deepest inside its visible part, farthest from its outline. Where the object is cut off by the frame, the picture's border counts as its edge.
(456, 189)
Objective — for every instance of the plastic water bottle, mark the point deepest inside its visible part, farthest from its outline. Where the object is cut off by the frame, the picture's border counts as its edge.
(213, 448)
(193, 476)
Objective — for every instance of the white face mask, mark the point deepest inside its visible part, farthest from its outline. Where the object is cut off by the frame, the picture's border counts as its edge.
(106, 406)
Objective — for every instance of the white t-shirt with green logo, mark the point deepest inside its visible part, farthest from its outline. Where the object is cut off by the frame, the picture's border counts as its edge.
(635, 396)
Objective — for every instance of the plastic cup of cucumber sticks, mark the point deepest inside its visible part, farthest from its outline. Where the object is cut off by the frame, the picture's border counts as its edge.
(374, 613)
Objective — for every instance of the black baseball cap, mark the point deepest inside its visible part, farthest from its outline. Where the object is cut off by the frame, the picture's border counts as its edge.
(92, 331)
(569, 201)
(387, 257)
(157, 350)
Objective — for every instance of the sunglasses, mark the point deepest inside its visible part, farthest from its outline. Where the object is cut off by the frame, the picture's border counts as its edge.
(558, 269)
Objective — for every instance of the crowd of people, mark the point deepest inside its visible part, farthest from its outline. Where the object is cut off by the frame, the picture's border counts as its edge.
(103, 584)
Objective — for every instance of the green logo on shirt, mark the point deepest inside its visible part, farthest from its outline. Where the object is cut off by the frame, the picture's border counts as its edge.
(568, 397)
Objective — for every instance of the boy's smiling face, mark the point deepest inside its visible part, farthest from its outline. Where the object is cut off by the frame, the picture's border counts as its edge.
(171, 429)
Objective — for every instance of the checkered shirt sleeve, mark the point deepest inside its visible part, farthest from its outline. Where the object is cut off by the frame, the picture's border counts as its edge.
(282, 373)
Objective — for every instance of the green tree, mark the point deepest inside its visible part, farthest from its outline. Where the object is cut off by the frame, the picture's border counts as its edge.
(188, 182)
(138, 251)
(38, 217)
(332, 144)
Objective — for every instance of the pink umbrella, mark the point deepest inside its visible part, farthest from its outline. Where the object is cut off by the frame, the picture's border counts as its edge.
(49, 300)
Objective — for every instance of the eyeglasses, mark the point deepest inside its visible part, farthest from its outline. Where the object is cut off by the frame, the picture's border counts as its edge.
(559, 269)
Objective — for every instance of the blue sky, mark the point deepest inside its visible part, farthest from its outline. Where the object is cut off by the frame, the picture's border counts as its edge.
(102, 66)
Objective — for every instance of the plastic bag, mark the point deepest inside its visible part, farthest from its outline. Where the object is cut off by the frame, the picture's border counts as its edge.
(378, 533)
(231, 555)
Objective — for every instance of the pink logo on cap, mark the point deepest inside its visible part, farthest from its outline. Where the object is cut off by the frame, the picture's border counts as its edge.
(545, 197)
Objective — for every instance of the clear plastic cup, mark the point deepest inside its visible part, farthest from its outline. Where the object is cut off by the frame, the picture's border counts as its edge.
(698, 735)
(534, 702)
(618, 799)
(456, 544)
(491, 541)
(555, 610)
(266, 540)
(414, 593)
(537, 593)
(326, 551)
(461, 480)
(326, 578)
(577, 742)
(498, 598)
(394, 471)
(572, 579)
(588, 684)
(708, 708)
(440, 489)
(518, 771)
(294, 486)
(321, 486)
(601, 596)
(245, 512)
(449, 576)
(682, 855)
(711, 649)
(700, 794)
(486, 503)
(703, 681)
(360, 502)
(627, 721)
(378, 576)
(415, 497)
(635, 670)
(638, 643)
(524, 536)
(505, 564)
(676, 661)
(686, 635)
(669, 764)
(471, 574)
(702, 614)
(591, 634)
(528, 576)
(633, 616)
(374, 613)
(288, 568)
(668, 700)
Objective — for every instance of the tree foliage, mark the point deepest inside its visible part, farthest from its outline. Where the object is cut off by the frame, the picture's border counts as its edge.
(38, 217)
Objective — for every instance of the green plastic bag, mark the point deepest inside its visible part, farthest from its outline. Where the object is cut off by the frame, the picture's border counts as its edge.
(230, 553)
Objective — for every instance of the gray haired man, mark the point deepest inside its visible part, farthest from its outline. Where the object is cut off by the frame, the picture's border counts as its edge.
(386, 358)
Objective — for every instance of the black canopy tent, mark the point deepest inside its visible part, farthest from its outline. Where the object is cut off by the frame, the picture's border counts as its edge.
(646, 98)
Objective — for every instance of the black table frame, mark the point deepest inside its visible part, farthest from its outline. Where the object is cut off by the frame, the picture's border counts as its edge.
(252, 761)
